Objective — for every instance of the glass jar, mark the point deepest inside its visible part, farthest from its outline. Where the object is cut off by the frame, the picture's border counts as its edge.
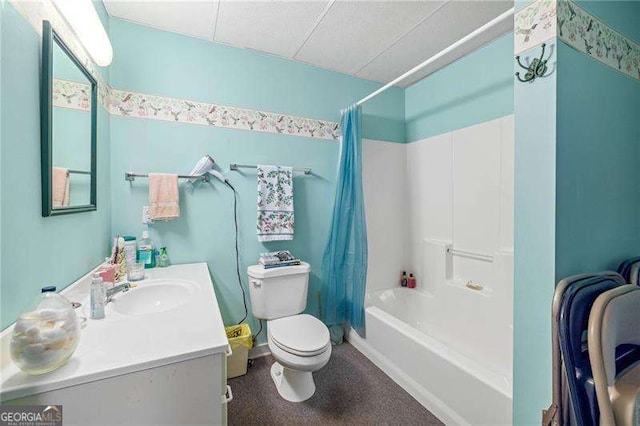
(45, 337)
(135, 271)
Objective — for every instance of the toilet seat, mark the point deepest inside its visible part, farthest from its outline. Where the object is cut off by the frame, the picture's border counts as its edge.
(302, 335)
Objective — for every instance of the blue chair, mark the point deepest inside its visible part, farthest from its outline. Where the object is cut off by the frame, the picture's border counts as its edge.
(574, 395)
(630, 270)
(573, 328)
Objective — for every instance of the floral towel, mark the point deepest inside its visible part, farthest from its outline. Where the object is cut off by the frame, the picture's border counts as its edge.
(275, 203)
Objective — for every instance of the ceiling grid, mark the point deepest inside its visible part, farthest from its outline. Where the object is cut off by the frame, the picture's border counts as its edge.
(374, 40)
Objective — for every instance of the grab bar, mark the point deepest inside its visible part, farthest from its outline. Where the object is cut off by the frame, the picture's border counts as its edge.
(471, 255)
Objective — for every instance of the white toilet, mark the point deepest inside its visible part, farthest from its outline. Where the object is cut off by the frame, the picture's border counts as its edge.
(299, 342)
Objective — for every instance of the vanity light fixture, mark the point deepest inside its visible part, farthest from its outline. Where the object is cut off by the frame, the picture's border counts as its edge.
(85, 22)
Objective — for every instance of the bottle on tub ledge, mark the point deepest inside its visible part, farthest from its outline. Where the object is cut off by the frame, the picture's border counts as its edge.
(403, 279)
(411, 281)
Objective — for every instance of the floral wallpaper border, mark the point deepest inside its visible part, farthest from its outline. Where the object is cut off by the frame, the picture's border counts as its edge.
(137, 105)
(543, 20)
(589, 35)
(534, 24)
(71, 94)
(74, 95)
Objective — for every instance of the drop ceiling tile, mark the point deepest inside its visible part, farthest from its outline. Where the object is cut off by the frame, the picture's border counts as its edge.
(274, 27)
(446, 26)
(193, 18)
(354, 32)
(464, 50)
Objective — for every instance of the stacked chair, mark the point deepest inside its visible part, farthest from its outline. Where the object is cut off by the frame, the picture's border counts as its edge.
(596, 349)
(615, 322)
(630, 270)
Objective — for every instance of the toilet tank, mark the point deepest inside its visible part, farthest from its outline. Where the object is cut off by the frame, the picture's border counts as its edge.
(278, 292)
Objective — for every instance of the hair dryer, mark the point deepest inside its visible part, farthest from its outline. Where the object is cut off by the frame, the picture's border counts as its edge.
(204, 166)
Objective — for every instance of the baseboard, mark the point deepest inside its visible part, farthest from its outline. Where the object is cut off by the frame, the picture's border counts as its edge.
(413, 388)
(258, 351)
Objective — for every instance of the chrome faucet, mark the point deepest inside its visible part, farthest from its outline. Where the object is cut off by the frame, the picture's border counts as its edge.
(121, 288)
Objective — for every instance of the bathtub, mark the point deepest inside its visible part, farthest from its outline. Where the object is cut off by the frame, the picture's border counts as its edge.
(454, 358)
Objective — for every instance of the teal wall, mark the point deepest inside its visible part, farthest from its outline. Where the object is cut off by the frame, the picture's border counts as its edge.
(37, 251)
(577, 193)
(472, 90)
(163, 63)
(534, 243)
(205, 230)
(598, 148)
(156, 62)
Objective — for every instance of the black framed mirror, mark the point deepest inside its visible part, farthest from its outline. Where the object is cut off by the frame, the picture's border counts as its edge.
(68, 105)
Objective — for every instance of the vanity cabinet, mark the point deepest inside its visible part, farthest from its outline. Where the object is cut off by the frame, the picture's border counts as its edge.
(158, 357)
(192, 392)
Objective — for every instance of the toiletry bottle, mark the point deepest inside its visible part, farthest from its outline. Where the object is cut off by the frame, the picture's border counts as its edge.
(98, 296)
(130, 249)
(146, 251)
(403, 279)
(163, 258)
(411, 281)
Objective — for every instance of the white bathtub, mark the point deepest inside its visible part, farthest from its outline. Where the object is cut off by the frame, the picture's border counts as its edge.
(454, 357)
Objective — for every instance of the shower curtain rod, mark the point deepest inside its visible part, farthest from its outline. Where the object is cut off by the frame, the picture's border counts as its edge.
(488, 25)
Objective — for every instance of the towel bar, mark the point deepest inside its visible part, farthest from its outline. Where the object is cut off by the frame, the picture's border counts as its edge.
(236, 166)
(132, 176)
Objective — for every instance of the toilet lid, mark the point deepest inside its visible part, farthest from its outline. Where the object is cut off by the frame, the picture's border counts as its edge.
(303, 334)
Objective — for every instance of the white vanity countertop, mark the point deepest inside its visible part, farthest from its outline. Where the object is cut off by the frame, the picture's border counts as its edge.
(121, 344)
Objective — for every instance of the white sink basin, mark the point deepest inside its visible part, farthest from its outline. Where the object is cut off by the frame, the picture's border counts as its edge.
(153, 296)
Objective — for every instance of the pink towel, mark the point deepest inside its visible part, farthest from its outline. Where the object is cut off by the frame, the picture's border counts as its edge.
(163, 196)
(60, 187)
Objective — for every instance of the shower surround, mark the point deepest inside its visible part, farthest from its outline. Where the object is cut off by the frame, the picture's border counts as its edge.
(442, 208)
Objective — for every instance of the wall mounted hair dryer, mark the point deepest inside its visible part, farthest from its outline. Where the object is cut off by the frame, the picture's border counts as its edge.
(204, 166)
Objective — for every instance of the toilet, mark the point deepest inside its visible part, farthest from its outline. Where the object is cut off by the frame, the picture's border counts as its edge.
(299, 342)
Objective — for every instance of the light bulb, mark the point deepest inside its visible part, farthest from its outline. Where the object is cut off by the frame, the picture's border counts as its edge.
(85, 22)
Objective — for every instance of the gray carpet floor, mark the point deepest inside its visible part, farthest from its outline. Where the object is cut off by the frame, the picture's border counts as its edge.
(350, 390)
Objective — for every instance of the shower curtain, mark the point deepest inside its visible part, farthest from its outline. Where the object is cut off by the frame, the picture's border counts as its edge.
(344, 262)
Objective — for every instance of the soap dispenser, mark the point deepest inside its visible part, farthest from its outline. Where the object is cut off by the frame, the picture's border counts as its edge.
(163, 258)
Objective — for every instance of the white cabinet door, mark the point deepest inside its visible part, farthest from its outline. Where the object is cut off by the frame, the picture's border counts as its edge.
(187, 392)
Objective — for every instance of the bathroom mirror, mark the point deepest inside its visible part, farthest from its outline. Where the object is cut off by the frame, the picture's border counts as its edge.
(68, 126)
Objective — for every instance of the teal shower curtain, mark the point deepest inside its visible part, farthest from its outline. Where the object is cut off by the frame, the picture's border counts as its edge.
(344, 262)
